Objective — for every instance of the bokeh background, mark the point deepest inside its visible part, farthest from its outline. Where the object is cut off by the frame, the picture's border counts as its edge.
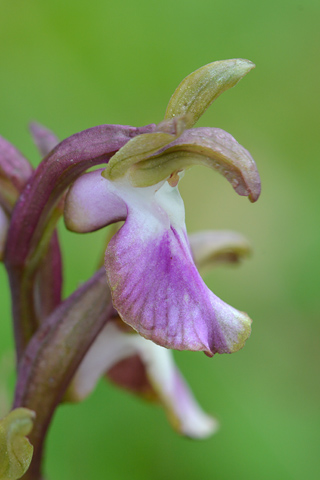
(74, 64)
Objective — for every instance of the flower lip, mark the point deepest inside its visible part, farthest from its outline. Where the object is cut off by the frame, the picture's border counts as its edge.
(155, 285)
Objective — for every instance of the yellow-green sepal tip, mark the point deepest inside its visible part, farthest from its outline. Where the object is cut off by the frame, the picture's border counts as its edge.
(199, 89)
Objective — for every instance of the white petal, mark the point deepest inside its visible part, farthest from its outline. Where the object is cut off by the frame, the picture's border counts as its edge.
(92, 203)
(112, 346)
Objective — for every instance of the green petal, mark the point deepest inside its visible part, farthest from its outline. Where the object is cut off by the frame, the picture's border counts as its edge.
(15, 449)
(142, 146)
(199, 89)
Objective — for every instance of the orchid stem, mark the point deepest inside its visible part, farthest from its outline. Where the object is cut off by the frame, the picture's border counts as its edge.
(54, 354)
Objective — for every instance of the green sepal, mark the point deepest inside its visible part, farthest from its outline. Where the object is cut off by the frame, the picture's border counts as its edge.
(15, 449)
(199, 89)
(210, 147)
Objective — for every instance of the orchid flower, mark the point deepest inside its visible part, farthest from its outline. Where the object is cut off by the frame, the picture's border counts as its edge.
(63, 346)
(155, 285)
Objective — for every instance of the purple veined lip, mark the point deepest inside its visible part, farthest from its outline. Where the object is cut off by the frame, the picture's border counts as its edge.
(155, 285)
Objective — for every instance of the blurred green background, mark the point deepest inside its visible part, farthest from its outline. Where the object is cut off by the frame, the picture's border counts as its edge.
(73, 64)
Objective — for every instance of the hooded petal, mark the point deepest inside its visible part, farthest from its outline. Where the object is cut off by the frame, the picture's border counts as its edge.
(92, 203)
(210, 147)
(155, 285)
(113, 346)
